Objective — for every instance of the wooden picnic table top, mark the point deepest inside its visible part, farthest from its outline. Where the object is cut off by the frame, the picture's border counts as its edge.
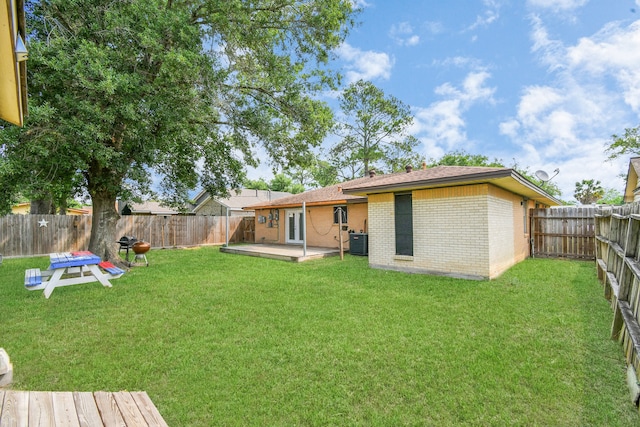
(78, 409)
(72, 259)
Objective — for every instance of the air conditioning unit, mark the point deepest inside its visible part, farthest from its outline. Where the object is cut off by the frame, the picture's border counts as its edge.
(359, 244)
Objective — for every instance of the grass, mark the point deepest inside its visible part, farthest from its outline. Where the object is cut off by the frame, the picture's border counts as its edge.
(220, 339)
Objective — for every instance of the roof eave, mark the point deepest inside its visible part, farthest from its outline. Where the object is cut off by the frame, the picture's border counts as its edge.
(308, 204)
(527, 188)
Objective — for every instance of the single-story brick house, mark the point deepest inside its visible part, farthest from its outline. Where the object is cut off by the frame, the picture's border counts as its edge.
(281, 221)
(460, 221)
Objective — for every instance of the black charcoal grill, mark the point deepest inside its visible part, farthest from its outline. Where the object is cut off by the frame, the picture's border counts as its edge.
(126, 242)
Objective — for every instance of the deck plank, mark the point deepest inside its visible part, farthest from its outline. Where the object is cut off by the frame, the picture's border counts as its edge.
(109, 412)
(41, 409)
(129, 410)
(88, 414)
(148, 409)
(15, 410)
(64, 409)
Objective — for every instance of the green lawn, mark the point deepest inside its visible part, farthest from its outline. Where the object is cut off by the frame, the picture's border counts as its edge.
(221, 339)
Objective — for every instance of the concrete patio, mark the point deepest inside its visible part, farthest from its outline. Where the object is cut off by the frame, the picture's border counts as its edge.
(292, 253)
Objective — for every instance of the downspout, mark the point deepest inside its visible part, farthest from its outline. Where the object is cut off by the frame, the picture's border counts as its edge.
(304, 229)
(227, 227)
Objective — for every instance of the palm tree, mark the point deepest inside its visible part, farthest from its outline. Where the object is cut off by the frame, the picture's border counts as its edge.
(588, 191)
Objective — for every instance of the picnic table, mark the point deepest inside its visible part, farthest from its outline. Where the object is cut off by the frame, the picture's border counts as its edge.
(71, 268)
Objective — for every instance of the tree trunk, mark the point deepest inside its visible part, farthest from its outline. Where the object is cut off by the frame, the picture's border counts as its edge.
(41, 207)
(62, 208)
(105, 218)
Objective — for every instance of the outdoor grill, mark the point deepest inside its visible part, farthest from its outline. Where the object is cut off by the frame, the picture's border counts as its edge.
(126, 242)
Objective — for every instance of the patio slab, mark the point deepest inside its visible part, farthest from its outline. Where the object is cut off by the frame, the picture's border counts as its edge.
(292, 253)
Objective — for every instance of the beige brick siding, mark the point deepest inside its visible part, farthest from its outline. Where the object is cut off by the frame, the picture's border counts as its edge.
(501, 232)
(471, 231)
(382, 238)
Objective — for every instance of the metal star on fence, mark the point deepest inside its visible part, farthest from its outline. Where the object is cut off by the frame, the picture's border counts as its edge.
(43, 222)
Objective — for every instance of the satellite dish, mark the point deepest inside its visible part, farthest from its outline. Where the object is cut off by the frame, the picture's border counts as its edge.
(542, 175)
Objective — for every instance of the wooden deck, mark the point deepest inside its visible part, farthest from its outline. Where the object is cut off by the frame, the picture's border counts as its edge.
(78, 409)
(293, 253)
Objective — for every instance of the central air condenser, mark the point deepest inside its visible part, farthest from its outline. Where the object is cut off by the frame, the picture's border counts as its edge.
(359, 244)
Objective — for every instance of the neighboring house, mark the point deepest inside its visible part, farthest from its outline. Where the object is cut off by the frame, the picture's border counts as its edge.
(281, 221)
(460, 221)
(145, 208)
(235, 203)
(632, 189)
(13, 66)
(25, 208)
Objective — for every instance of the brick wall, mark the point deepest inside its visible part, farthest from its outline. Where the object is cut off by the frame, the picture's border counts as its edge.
(502, 230)
(382, 238)
(471, 231)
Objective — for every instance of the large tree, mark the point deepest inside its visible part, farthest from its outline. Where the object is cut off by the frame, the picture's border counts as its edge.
(181, 90)
(373, 131)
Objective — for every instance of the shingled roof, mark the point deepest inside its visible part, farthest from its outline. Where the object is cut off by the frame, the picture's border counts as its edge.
(446, 176)
(440, 176)
(330, 195)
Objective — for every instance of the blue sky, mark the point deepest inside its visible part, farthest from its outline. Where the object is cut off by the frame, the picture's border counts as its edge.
(544, 82)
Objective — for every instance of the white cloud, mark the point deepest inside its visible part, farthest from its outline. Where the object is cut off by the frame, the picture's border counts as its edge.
(459, 62)
(441, 125)
(357, 4)
(557, 5)
(434, 27)
(613, 52)
(490, 15)
(594, 91)
(365, 65)
(403, 35)
(550, 52)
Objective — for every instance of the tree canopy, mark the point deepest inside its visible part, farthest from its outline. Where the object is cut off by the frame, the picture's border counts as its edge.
(462, 158)
(181, 91)
(627, 144)
(588, 191)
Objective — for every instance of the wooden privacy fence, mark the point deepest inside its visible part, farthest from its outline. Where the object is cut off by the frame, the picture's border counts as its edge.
(618, 267)
(25, 235)
(566, 232)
